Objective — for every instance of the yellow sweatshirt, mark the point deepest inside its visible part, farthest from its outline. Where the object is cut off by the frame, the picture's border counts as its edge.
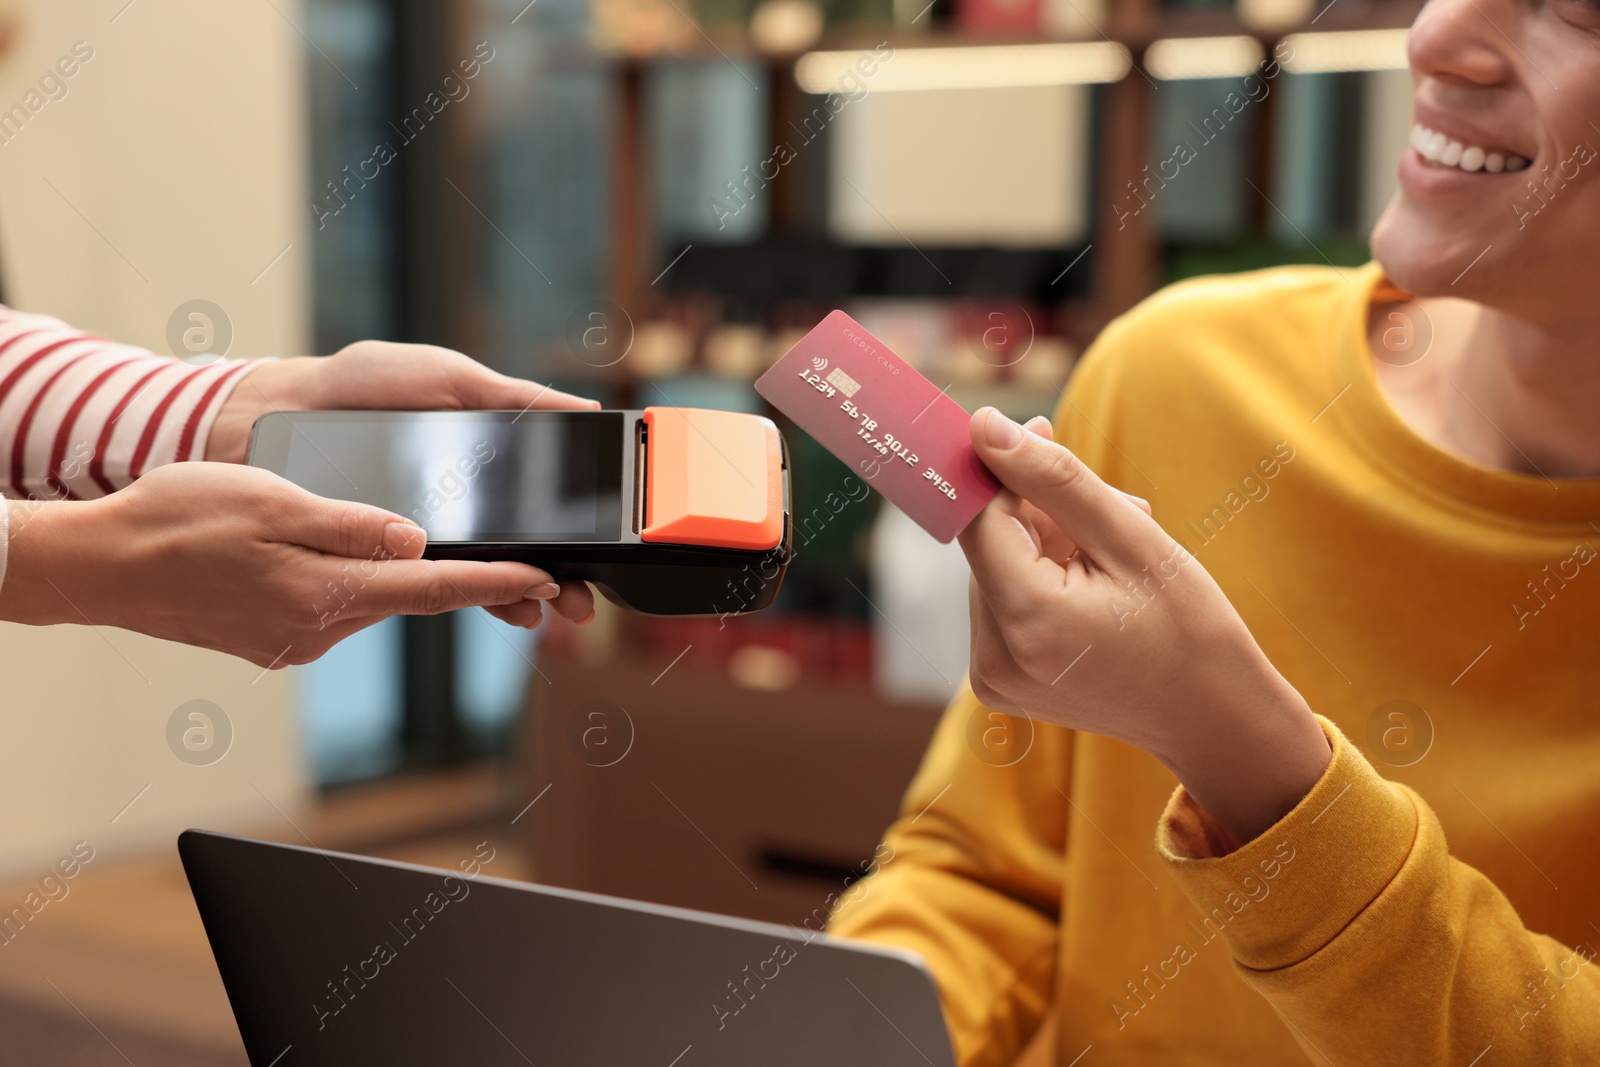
(1435, 899)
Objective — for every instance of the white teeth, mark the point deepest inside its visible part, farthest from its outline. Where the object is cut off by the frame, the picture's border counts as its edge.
(1438, 149)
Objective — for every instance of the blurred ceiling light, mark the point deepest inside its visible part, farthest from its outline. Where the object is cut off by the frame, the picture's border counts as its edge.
(1346, 50)
(975, 67)
(786, 25)
(1274, 16)
(1179, 58)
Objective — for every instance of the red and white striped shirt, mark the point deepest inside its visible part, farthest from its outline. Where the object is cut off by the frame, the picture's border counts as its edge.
(81, 416)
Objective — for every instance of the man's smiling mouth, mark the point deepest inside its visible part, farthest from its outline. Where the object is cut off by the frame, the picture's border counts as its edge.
(1438, 150)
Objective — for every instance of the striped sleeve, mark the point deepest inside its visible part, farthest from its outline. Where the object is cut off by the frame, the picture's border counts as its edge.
(81, 416)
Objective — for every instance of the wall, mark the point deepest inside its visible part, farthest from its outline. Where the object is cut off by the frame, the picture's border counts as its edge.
(985, 166)
(1386, 118)
(172, 169)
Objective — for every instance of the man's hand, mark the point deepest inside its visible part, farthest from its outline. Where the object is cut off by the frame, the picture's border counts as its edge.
(1087, 614)
(375, 375)
(239, 560)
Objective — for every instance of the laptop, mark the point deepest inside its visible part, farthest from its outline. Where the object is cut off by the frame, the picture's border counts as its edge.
(333, 959)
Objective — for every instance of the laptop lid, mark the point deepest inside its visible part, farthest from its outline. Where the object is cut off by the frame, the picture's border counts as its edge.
(336, 959)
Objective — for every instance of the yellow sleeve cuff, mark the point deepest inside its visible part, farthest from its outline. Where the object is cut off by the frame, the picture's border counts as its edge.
(1282, 897)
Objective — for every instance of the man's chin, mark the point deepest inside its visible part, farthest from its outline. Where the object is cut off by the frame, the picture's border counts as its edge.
(1414, 255)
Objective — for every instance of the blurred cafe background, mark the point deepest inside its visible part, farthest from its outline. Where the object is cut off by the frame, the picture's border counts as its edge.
(646, 201)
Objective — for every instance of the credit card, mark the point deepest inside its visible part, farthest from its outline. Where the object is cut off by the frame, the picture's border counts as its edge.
(883, 420)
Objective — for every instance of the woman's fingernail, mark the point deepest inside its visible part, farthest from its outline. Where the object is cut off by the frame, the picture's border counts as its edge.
(542, 591)
(1002, 432)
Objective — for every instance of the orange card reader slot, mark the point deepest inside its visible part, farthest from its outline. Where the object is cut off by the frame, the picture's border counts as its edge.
(712, 478)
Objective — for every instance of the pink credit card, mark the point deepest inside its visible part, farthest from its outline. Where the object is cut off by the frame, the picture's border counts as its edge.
(883, 420)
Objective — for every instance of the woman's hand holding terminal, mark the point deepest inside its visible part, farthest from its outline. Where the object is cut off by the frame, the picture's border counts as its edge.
(376, 376)
(239, 560)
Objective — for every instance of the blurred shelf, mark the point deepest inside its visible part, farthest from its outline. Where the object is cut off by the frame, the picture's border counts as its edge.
(814, 269)
(1135, 30)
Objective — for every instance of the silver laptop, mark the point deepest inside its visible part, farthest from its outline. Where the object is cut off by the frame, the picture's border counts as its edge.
(342, 960)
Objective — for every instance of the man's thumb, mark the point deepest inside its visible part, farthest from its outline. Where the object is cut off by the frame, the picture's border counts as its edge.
(1035, 468)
